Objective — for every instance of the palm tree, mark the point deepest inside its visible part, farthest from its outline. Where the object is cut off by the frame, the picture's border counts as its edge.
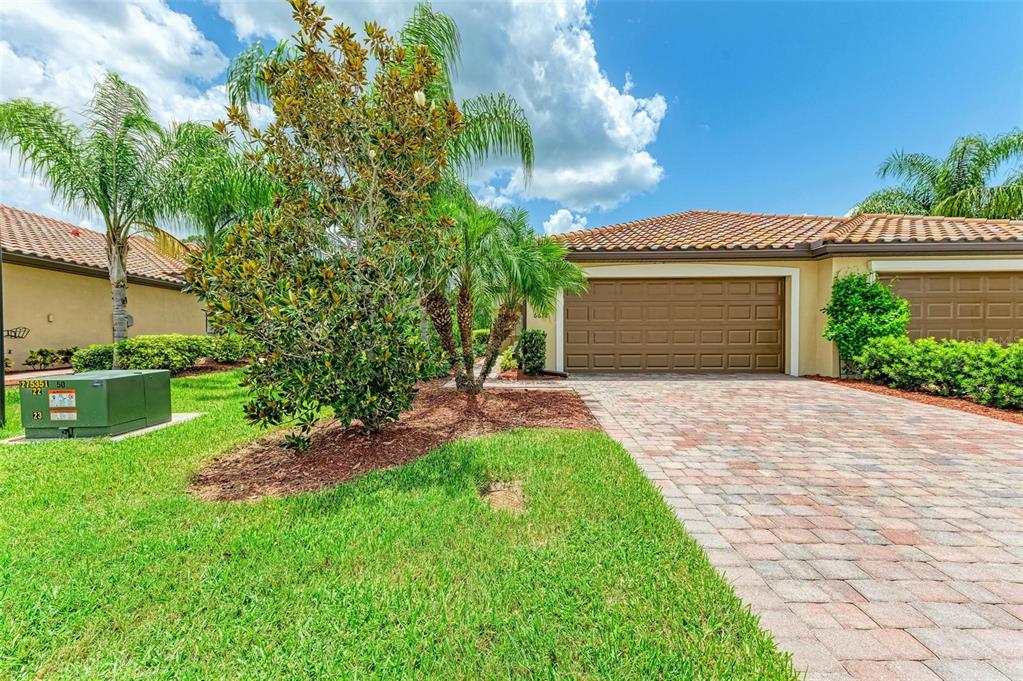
(220, 186)
(493, 259)
(493, 124)
(120, 164)
(961, 184)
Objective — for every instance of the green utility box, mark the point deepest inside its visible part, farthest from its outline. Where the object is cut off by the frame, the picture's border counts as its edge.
(95, 403)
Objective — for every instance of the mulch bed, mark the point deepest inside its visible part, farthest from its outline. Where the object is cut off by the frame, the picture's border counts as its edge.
(519, 375)
(336, 455)
(962, 404)
(208, 366)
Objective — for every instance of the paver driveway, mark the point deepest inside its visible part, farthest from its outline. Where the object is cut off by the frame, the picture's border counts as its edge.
(877, 538)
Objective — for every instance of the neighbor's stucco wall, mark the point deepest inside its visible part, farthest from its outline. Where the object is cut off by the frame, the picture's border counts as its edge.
(63, 309)
(815, 355)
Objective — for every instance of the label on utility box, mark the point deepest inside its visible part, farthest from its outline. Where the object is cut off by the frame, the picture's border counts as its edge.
(63, 415)
(62, 399)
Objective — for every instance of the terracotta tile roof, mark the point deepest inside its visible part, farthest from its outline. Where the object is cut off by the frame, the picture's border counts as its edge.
(712, 230)
(25, 233)
(924, 229)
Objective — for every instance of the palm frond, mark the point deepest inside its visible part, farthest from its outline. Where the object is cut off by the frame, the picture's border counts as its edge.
(494, 124)
(439, 33)
(1002, 202)
(51, 149)
(166, 243)
(1005, 149)
(246, 75)
(890, 201)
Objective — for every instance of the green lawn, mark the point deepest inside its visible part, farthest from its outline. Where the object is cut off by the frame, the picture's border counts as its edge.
(108, 568)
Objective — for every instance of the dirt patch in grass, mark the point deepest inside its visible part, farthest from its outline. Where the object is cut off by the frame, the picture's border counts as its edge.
(962, 404)
(505, 495)
(336, 455)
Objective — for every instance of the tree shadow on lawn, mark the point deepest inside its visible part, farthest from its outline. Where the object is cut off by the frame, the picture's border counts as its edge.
(337, 455)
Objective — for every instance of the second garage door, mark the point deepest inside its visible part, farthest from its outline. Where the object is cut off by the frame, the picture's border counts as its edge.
(963, 305)
(676, 325)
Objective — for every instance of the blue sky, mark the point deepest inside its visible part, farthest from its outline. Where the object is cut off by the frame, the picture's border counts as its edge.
(790, 107)
(639, 108)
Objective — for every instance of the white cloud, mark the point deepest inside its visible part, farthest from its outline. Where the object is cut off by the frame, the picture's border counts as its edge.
(54, 51)
(563, 220)
(591, 135)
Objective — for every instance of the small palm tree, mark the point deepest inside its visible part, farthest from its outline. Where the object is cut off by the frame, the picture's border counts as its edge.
(120, 164)
(220, 187)
(959, 184)
(494, 260)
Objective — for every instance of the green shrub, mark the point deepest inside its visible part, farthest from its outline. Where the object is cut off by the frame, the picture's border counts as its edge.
(41, 358)
(480, 338)
(862, 309)
(532, 351)
(93, 358)
(508, 361)
(994, 375)
(173, 352)
(986, 372)
(231, 347)
(62, 356)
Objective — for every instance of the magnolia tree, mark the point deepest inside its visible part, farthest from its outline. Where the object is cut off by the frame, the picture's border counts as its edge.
(327, 278)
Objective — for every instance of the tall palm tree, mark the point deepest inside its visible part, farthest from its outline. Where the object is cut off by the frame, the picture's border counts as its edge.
(220, 187)
(493, 259)
(120, 164)
(961, 184)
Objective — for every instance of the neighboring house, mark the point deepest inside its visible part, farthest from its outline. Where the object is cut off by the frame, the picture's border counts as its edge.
(55, 284)
(709, 292)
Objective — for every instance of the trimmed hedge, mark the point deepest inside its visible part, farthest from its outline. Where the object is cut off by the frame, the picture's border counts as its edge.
(480, 338)
(174, 352)
(986, 372)
(532, 351)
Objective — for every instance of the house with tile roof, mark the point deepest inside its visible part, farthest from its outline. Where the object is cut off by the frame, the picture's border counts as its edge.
(56, 288)
(707, 291)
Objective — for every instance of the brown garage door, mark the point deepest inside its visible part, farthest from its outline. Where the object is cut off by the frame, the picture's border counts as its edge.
(676, 325)
(963, 305)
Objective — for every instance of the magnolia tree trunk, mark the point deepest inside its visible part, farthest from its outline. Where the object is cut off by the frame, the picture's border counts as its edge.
(117, 258)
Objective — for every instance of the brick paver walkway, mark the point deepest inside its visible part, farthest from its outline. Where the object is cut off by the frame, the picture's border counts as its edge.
(877, 538)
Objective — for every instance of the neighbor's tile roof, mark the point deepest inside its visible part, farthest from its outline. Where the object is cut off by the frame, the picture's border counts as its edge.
(25, 233)
(924, 229)
(711, 230)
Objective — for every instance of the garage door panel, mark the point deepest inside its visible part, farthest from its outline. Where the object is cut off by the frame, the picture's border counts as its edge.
(740, 361)
(740, 336)
(657, 313)
(677, 325)
(711, 312)
(658, 337)
(740, 312)
(963, 305)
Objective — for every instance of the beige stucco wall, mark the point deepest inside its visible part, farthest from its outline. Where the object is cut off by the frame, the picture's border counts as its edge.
(815, 355)
(63, 309)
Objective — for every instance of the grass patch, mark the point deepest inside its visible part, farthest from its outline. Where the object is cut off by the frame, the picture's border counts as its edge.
(108, 568)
